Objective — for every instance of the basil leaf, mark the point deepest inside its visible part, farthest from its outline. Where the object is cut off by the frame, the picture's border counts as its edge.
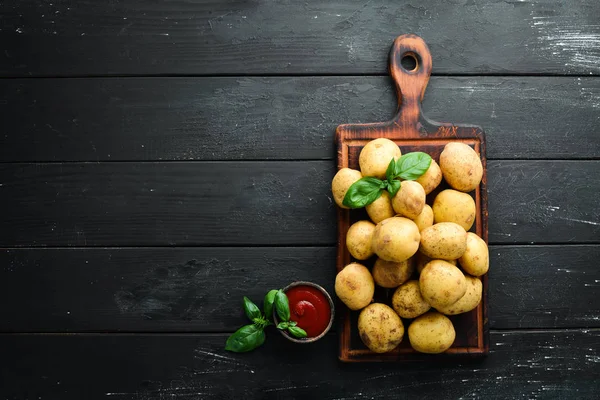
(245, 339)
(297, 332)
(293, 323)
(389, 172)
(412, 165)
(282, 306)
(393, 187)
(283, 325)
(362, 192)
(251, 309)
(268, 304)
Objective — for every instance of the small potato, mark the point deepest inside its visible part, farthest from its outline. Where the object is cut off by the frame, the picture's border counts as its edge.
(425, 219)
(396, 239)
(341, 182)
(461, 166)
(359, 238)
(391, 274)
(375, 157)
(431, 333)
(476, 259)
(431, 178)
(442, 284)
(381, 208)
(410, 199)
(469, 301)
(421, 260)
(408, 302)
(444, 241)
(454, 206)
(380, 328)
(354, 286)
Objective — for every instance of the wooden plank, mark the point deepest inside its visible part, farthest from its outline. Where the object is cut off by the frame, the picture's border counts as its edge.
(280, 118)
(553, 364)
(200, 289)
(200, 37)
(260, 203)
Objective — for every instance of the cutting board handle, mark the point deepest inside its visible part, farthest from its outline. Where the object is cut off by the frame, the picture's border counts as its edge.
(410, 84)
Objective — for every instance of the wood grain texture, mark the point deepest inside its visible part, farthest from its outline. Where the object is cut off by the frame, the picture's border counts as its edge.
(546, 364)
(260, 203)
(280, 118)
(200, 289)
(211, 37)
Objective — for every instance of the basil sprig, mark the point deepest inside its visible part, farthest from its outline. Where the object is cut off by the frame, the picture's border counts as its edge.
(251, 336)
(368, 189)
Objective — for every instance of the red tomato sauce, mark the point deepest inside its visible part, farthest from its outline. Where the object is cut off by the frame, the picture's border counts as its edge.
(309, 308)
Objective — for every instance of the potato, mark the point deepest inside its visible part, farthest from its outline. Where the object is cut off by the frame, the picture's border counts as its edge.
(354, 286)
(442, 284)
(469, 301)
(341, 182)
(375, 157)
(396, 239)
(425, 219)
(410, 199)
(454, 206)
(431, 333)
(381, 208)
(431, 178)
(391, 274)
(444, 241)
(461, 166)
(380, 328)
(408, 302)
(421, 260)
(359, 238)
(476, 259)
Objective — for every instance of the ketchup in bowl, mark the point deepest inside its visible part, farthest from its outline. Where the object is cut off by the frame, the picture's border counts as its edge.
(310, 308)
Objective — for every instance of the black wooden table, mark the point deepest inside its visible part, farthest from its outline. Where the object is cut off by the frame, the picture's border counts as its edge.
(161, 159)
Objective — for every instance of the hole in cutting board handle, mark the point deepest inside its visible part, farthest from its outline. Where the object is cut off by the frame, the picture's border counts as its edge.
(410, 62)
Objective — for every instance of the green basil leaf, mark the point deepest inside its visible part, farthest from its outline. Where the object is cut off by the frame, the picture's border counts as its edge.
(251, 309)
(362, 192)
(283, 325)
(268, 304)
(245, 339)
(293, 323)
(389, 173)
(297, 332)
(393, 187)
(412, 165)
(282, 306)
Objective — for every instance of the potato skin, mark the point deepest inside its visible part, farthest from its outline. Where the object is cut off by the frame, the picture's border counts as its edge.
(469, 301)
(442, 284)
(454, 206)
(431, 333)
(431, 178)
(410, 199)
(444, 241)
(341, 182)
(381, 208)
(375, 157)
(396, 239)
(461, 166)
(359, 238)
(425, 219)
(380, 328)
(476, 258)
(421, 260)
(390, 274)
(354, 286)
(408, 302)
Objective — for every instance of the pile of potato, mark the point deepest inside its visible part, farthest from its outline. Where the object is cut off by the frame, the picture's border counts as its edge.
(410, 238)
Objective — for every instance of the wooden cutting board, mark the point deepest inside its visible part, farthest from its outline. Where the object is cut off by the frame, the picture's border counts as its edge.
(412, 131)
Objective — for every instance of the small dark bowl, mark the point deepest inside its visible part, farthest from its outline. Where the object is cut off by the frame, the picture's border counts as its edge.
(311, 339)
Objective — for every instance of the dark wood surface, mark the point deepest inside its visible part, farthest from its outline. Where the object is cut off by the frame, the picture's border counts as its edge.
(160, 160)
